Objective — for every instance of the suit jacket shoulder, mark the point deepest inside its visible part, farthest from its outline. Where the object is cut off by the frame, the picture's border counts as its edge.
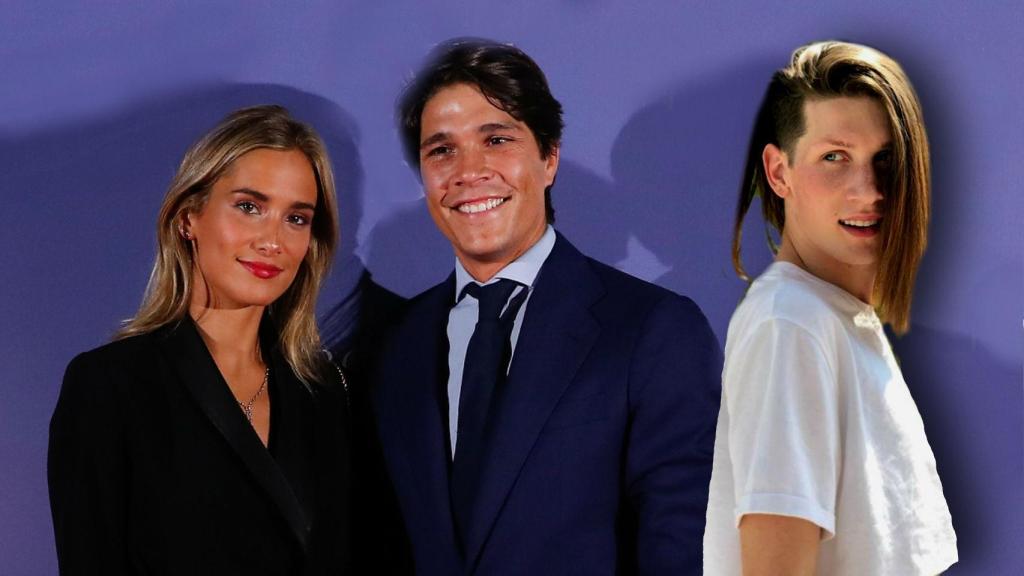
(623, 285)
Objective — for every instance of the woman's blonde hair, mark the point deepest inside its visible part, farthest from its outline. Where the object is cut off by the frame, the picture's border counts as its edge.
(169, 291)
(833, 69)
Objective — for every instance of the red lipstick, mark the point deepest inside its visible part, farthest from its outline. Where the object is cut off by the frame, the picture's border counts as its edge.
(261, 270)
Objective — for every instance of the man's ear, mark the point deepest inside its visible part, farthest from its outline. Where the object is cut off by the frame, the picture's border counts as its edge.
(551, 166)
(776, 170)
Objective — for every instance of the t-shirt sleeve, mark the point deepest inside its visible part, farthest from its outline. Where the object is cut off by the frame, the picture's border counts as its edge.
(781, 392)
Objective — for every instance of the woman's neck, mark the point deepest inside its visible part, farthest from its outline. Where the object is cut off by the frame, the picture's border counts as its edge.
(232, 336)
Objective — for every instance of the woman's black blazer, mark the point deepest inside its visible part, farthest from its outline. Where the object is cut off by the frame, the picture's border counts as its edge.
(153, 468)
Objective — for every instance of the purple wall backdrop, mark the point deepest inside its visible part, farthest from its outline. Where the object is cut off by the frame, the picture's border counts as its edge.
(98, 104)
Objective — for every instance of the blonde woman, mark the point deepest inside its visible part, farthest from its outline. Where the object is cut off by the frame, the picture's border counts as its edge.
(821, 464)
(210, 436)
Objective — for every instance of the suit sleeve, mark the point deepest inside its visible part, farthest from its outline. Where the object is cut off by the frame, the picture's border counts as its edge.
(86, 473)
(675, 390)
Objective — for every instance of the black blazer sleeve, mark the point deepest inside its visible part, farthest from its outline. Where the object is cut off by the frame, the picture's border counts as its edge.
(87, 474)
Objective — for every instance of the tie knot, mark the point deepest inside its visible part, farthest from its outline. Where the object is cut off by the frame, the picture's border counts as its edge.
(492, 297)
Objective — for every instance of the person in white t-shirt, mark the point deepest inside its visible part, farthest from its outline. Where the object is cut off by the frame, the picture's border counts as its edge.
(821, 463)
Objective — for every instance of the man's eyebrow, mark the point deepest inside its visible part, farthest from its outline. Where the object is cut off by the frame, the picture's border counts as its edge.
(434, 139)
(497, 126)
(483, 129)
(264, 198)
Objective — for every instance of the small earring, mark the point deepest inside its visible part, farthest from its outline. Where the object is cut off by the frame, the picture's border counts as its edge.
(185, 234)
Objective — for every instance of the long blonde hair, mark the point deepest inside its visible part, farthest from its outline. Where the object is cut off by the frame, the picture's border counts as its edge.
(832, 69)
(169, 291)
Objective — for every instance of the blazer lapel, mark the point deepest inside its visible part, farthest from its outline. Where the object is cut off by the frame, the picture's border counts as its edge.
(416, 389)
(299, 412)
(193, 364)
(557, 333)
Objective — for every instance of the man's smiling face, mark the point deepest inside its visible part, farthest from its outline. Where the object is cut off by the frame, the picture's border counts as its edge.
(484, 178)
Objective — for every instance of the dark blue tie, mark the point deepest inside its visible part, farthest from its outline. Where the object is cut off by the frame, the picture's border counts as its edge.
(487, 358)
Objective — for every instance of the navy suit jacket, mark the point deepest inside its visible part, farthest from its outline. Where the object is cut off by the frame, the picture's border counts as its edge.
(601, 456)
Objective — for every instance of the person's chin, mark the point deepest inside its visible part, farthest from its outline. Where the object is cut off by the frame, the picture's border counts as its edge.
(861, 260)
(263, 296)
(477, 241)
(483, 253)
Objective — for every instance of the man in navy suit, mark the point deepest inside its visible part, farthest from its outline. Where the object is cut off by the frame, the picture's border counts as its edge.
(539, 412)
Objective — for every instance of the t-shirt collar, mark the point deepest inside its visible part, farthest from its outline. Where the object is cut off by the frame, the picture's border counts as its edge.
(862, 313)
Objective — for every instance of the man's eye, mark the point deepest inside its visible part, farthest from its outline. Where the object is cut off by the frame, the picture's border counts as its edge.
(832, 157)
(248, 207)
(439, 151)
(498, 140)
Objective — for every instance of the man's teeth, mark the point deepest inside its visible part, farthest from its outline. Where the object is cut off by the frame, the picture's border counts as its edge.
(481, 206)
(859, 223)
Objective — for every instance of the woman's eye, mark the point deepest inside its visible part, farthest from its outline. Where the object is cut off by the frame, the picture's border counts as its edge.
(248, 207)
(299, 219)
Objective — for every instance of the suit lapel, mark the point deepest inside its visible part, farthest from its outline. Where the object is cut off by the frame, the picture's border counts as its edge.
(416, 388)
(186, 351)
(558, 332)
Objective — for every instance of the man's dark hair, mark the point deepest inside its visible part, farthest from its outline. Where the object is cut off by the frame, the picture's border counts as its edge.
(505, 75)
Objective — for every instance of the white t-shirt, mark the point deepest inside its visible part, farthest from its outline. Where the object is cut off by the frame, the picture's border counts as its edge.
(817, 422)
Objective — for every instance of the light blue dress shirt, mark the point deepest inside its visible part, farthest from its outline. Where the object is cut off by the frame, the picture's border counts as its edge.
(463, 316)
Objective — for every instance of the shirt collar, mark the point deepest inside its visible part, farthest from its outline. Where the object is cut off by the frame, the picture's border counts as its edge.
(523, 270)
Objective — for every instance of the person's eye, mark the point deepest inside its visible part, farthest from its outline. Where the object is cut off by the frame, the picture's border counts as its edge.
(300, 219)
(883, 159)
(495, 140)
(832, 157)
(439, 150)
(248, 206)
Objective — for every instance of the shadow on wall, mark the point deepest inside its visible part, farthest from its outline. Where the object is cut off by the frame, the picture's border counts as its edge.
(970, 402)
(82, 201)
(667, 216)
(407, 252)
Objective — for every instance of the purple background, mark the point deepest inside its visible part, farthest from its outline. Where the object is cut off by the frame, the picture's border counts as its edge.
(99, 103)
